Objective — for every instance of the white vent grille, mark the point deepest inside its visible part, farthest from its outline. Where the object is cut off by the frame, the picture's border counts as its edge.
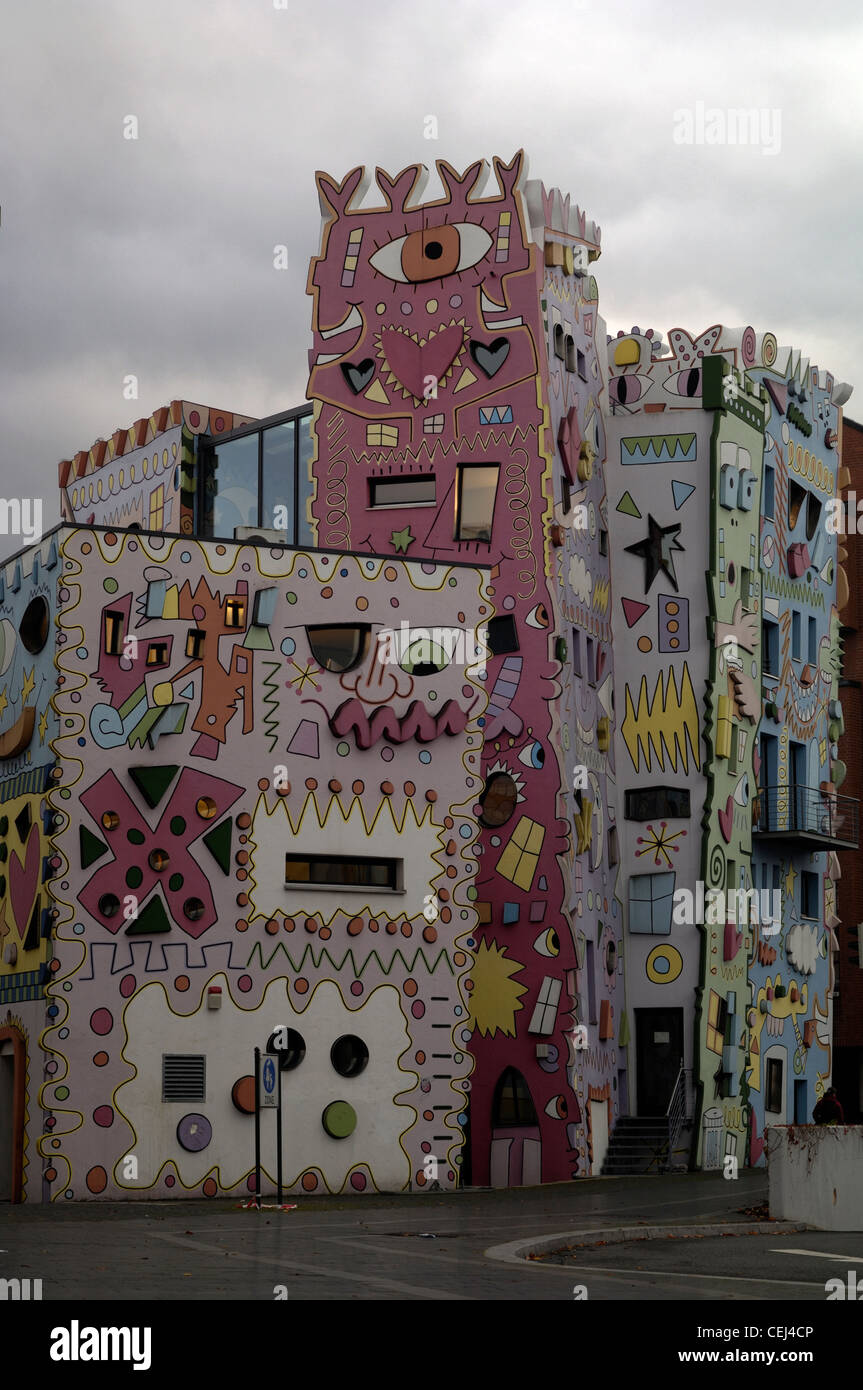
(184, 1077)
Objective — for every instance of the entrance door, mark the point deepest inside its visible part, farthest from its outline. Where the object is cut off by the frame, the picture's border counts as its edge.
(12, 1072)
(659, 1056)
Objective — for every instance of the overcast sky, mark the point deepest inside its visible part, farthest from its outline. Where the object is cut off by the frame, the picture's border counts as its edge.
(155, 256)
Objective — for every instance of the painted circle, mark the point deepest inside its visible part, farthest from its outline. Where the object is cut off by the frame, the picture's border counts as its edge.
(97, 1180)
(339, 1119)
(644, 644)
(243, 1095)
(310, 1182)
(101, 1021)
(100, 1059)
(103, 1116)
(663, 965)
(194, 1133)
(358, 1182)
(210, 1188)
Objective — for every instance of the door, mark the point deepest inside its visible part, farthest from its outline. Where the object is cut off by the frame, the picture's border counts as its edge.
(801, 1103)
(659, 1057)
(797, 776)
(13, 1068)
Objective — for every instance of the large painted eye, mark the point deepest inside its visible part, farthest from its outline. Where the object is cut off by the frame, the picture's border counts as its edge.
(533, 755)
(686, 383)
(557, 1108)
(423, 657)
(741, 794)
(538, 616)
(628, 389)
(547, 943)
(432, 253)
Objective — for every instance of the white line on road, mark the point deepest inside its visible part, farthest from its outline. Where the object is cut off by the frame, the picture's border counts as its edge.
(820, 1255)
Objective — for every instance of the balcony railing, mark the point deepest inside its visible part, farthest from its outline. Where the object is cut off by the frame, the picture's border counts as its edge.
(814, 814)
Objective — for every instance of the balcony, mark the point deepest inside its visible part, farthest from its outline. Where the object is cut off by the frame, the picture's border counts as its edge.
(816, 817)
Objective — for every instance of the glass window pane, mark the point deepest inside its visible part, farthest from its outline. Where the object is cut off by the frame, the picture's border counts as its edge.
(477, 487)
(307, 444)
(235, 485)
(400, 492)
(277, 488)
(338, 648)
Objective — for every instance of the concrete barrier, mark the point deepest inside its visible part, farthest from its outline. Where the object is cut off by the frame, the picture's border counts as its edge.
(815, 1174)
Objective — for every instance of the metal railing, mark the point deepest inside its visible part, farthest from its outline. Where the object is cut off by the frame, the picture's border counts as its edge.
(677, 1114)
(809, 811)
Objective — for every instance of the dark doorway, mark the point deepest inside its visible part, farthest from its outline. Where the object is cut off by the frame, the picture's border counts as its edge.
(659, 1052)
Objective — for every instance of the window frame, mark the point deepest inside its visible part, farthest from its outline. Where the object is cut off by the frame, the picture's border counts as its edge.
(395, 868)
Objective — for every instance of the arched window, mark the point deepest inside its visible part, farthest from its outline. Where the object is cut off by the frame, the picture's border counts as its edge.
(498, 800)
(512, 1103)
(339, 647)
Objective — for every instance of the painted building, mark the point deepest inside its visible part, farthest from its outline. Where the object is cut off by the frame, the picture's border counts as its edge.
(447, 727)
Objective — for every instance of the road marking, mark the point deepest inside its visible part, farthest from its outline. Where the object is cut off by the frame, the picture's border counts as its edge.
(322, 1271)
(579, 1268)
(820, 1255)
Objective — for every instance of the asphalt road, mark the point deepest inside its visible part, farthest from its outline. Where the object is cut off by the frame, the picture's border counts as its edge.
(429, 1247)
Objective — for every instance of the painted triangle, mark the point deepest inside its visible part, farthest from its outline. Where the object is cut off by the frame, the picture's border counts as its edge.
(627, 506)
(633, 610)
(92, 848)
(681, 491)
(151, 919)
(153, 782)
(218, 842)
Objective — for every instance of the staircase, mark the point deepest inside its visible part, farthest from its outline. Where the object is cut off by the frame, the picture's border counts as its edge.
(639, 1144)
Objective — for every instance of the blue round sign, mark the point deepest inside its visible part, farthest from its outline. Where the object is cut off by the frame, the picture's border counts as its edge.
(269, 1075)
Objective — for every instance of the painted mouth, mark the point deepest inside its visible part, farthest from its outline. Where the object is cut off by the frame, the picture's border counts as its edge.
(16, 739)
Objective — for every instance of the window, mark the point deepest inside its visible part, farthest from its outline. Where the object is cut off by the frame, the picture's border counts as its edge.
(33, 628)
(260, 477)
(603, 542)
(349, 1055)
(591, 662)
(812, 643)
(341, 647)
(813, 515)
(520, 858)
(235, 612)
(113, 633)
(477, 486)
(195, 643)
(717, 1017)
(415, 490)
(591, 982)
(498, 800)
(582, 365)
(576, 651)
(747, 587)
(796, 498)
(768, 503)
(184, 1077)
(613, 846)
(809, 906)
(565, 493)
(292, 1049)
(774, 1085)
(795, 635)
(342, 871)
(512, 1104)
(559, 341)
(544, 1017)
(646, 802)
(234, 481)
(569, 350)
(770, 647)
(651, 898)
(277, 475)
(157, 653)
(502, 636)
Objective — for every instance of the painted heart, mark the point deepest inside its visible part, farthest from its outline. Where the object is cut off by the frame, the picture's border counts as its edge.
(24, 880)
(490, 358)
(358, 375)
(726, 820)
(414, 365)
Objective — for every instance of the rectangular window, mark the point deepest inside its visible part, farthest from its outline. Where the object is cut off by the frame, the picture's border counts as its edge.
(415, 490)
(184, 1077)
(812, 643)
(717, 1015)
(647, 802)
(565, 493)
(603, 542)
(576, 651)
(768, 508)
(342, 871)
(277, 477)
(747, 587)
(195, 643)
(613, 846)
(809, 895)
(157, 653)
(113, 633)
(234, 483)
(235, 612)
(382, 436)
(774, 1085)
(591, 662)
(651, 898)
(544, 1017)
(770, 648)
(795, 635)
(582, 364)
(591, 984)
(477, 487)
(502, 635)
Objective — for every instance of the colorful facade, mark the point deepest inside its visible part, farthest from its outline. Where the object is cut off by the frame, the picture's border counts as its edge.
(440, 725)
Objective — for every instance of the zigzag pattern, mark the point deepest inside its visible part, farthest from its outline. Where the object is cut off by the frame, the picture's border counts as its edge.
(600, 594)
(409, 963)
(427, 451)
(663, 723)
(787, 588)
(270, 721)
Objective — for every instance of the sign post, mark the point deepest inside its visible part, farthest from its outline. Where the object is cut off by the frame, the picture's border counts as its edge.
(258, 1128)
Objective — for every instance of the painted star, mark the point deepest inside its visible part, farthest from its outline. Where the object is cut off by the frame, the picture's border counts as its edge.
(29, 685)
(789, 880)
(657, 842)
(43, 725)
(3, 701)
(307, 673)
(400, 540)
(657, 549)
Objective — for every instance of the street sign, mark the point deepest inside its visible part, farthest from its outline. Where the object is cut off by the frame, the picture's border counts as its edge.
(269, 1099)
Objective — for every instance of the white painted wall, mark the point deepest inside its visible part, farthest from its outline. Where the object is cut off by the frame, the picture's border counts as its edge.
(814, 1175)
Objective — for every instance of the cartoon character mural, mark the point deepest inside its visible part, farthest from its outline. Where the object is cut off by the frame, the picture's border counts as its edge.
(436, 427)
(275, 874)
